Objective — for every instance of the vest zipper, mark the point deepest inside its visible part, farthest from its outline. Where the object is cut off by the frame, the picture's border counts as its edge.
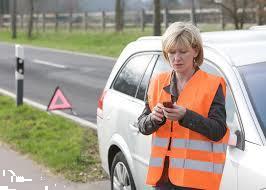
(170, 140)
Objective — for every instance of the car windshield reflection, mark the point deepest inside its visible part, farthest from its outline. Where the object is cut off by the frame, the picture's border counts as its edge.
(254, 77)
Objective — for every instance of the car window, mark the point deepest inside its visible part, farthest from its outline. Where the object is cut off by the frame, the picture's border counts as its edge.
(231, 109)
(254, 76)
(131, 74)
(145, 80)
(160, 66)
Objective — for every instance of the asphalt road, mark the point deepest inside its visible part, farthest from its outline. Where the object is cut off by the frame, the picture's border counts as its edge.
(81, 77)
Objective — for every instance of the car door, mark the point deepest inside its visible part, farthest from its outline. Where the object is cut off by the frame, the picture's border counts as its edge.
(252, 165)
(124, 89)
(123, 107)
(229, 179)
(245, 164)
(142, 143)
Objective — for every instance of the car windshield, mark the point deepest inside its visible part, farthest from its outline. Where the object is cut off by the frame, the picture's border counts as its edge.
(254, 77)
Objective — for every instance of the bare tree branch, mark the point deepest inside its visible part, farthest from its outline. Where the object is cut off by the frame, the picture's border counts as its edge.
(224, 7)
(243, 15)
(232, 8)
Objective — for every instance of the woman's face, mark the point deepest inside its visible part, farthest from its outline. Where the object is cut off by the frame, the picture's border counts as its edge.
(181, 59)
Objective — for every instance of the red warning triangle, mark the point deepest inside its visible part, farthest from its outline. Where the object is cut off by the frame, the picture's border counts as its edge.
(58, 101)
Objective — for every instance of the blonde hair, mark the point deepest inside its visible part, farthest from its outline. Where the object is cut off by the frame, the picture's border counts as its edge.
(184, 35)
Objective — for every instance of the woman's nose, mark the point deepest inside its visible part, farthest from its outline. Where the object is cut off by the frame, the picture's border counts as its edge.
(177, 55)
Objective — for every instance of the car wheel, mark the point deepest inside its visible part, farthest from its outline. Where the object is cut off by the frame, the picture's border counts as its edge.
(121, 177)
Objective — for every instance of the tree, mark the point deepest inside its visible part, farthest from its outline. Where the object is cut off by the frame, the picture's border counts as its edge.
(71, 16)
(56, 15)
(119, 15)
(166, 15)
(14, 19)
(156, 18)
(260, 12)
(4, 9)
(193, 13)
(30, 26)
(1, 13)
(236, 9)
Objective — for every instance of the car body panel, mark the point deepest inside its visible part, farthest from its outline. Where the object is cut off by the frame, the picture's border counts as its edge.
(252, 167)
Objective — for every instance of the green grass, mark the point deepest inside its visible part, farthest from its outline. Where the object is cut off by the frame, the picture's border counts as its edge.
(59, 144)
(95, 41)
(107, 43)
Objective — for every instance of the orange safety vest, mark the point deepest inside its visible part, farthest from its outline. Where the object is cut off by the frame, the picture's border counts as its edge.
(194, 160)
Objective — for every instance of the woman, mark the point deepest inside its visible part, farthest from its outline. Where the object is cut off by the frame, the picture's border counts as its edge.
(189, 135)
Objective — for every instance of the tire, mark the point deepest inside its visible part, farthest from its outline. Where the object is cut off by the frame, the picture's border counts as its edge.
(121, 177)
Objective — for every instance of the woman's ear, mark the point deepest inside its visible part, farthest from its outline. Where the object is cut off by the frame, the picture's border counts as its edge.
(196, 52)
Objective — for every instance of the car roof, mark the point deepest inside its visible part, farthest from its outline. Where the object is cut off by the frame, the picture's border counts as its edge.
(242, 47)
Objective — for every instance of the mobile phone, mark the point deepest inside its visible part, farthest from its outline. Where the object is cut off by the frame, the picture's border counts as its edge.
(168, 104)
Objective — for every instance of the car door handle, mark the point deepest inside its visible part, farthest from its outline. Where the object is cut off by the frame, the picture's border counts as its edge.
(134, 127)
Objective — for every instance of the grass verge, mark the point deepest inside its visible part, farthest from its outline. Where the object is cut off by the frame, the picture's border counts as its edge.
(108, 43)
(55, 142)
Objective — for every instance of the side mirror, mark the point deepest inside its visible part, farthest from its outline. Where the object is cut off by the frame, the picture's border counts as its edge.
(237, 140)
(240, 143)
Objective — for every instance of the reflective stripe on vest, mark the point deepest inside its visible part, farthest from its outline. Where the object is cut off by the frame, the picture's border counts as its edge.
(199, 145)
(156, 162)
(159, 141)
(196, 165)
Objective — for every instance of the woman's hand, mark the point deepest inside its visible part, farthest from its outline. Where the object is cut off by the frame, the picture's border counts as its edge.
(175, 113)
(157, 113)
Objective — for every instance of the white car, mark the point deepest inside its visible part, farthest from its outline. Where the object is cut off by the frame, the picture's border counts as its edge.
(238, 56)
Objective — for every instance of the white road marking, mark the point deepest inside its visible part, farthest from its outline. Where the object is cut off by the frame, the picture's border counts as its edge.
(68, 52)
(49, 63)
(63, 51)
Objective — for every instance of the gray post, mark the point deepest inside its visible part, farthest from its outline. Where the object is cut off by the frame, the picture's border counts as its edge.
(142, 20)
(1, 20)
(22, 20)
(19, 73)
(103, 21)
(43, 22)
(222, 17)
(70, 21)
(86, 20)
(37, 22)
(14, 19)
(56, 21)
(165, 17)
(193, 13)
